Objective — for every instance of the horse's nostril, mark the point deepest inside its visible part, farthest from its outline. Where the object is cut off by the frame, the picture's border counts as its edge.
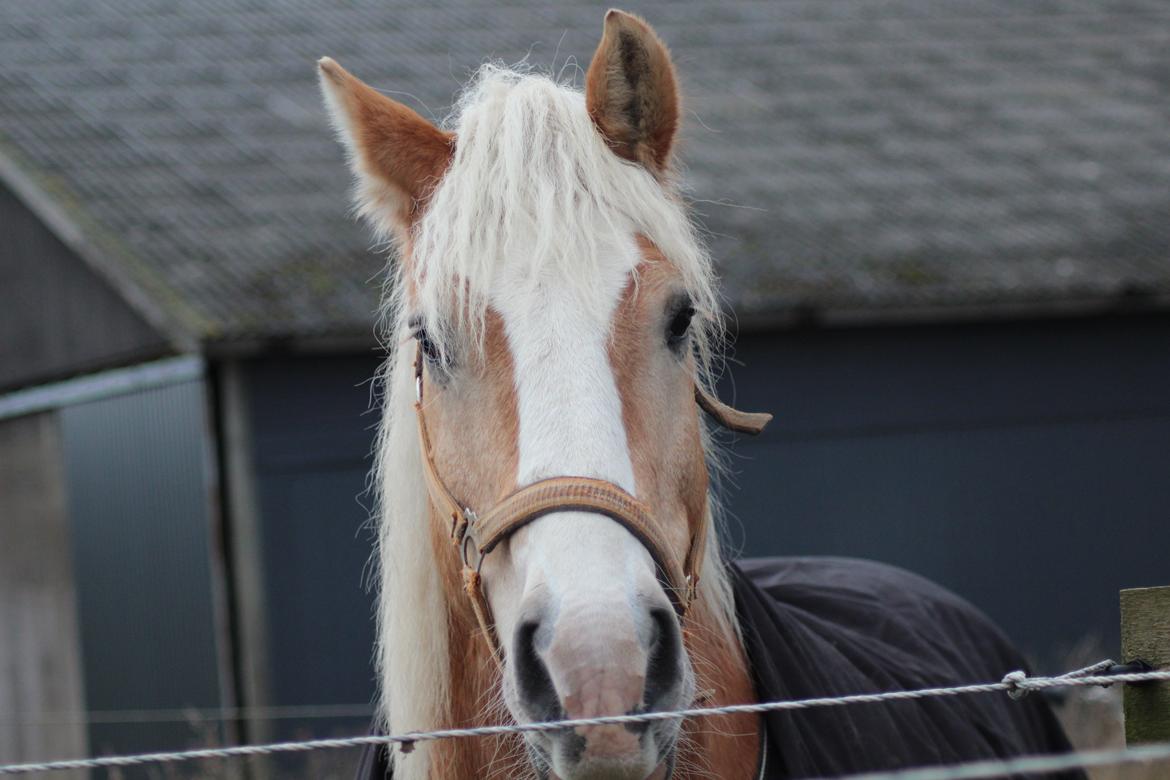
(664, 668)
(532, 678)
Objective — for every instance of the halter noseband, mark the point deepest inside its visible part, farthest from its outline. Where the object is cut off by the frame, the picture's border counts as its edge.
(474, 535)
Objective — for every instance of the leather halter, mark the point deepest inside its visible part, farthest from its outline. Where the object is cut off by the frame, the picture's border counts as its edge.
(475, 535)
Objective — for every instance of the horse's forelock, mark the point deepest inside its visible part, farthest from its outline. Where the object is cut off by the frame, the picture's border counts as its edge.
(534, 186)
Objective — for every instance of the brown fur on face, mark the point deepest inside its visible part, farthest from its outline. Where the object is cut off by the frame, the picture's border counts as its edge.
(399, 155)
(474, 428)
(473, 421)
(631, 92)
(658, 406)
(663, 434)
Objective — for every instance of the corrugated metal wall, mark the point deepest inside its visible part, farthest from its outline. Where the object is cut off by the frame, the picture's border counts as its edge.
(139, 478)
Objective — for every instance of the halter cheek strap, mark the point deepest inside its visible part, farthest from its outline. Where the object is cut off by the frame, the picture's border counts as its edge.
(474, 536)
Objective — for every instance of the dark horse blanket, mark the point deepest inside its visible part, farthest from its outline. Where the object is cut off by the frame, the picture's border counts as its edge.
(830, 627)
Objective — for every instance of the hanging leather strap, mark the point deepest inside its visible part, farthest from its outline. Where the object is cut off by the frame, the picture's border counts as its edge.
(728, 416)
(475, 536)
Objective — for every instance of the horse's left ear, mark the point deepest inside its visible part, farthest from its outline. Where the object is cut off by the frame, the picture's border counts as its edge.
(631, 92)
(397, 156)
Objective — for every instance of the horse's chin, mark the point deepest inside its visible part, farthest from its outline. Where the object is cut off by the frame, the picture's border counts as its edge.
(664, 771)
(602, 768)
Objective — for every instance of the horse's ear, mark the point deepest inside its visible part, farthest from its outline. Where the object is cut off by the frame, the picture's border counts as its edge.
(631, 92)
(397, 155)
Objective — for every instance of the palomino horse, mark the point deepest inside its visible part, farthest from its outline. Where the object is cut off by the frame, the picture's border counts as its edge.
(546, 540)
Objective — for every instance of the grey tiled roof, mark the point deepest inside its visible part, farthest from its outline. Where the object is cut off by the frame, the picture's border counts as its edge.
(859, 155)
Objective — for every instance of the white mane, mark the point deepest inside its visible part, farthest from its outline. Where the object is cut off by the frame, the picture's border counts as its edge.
(532, 184)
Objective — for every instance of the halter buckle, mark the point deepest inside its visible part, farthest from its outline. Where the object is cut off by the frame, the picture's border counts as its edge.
(460, 522)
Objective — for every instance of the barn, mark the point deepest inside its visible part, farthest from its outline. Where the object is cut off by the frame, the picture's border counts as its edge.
(944, 231)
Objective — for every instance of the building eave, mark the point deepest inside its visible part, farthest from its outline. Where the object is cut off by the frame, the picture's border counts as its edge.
(341, 342)
(845, 316)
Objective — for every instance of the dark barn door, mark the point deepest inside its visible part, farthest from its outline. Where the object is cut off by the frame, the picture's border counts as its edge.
(1024, 465)
(301, 437)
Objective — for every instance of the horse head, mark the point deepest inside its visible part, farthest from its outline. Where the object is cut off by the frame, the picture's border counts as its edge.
(550, 316)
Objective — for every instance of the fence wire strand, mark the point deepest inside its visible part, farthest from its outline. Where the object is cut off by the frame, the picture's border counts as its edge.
(1015, 684)
(194, 715)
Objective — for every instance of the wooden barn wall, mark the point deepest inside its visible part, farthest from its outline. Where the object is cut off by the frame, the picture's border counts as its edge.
(58, 317)
(40, 652)
(1024, 465)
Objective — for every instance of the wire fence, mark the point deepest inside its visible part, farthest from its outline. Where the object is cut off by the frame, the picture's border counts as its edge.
(195, 715)
(1015, 684)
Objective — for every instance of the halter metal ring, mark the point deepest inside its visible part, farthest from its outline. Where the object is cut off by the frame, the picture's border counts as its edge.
(466, 540)
(468, 544)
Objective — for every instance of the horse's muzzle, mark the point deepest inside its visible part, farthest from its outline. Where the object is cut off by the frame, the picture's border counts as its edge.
(599, 662)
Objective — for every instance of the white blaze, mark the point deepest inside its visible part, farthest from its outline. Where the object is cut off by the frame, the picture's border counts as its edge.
(579, 571)
(569, 406)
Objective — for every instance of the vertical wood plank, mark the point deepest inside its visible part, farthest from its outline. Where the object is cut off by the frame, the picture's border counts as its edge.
(41, 685)
(1145, 636)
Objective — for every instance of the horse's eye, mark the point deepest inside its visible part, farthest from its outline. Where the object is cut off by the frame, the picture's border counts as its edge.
(680, 324)
(429, 349)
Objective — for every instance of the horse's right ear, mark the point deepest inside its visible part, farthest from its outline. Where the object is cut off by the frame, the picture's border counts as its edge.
(397, 156)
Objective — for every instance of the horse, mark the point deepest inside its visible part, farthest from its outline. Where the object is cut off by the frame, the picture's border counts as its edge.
(547, 538)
